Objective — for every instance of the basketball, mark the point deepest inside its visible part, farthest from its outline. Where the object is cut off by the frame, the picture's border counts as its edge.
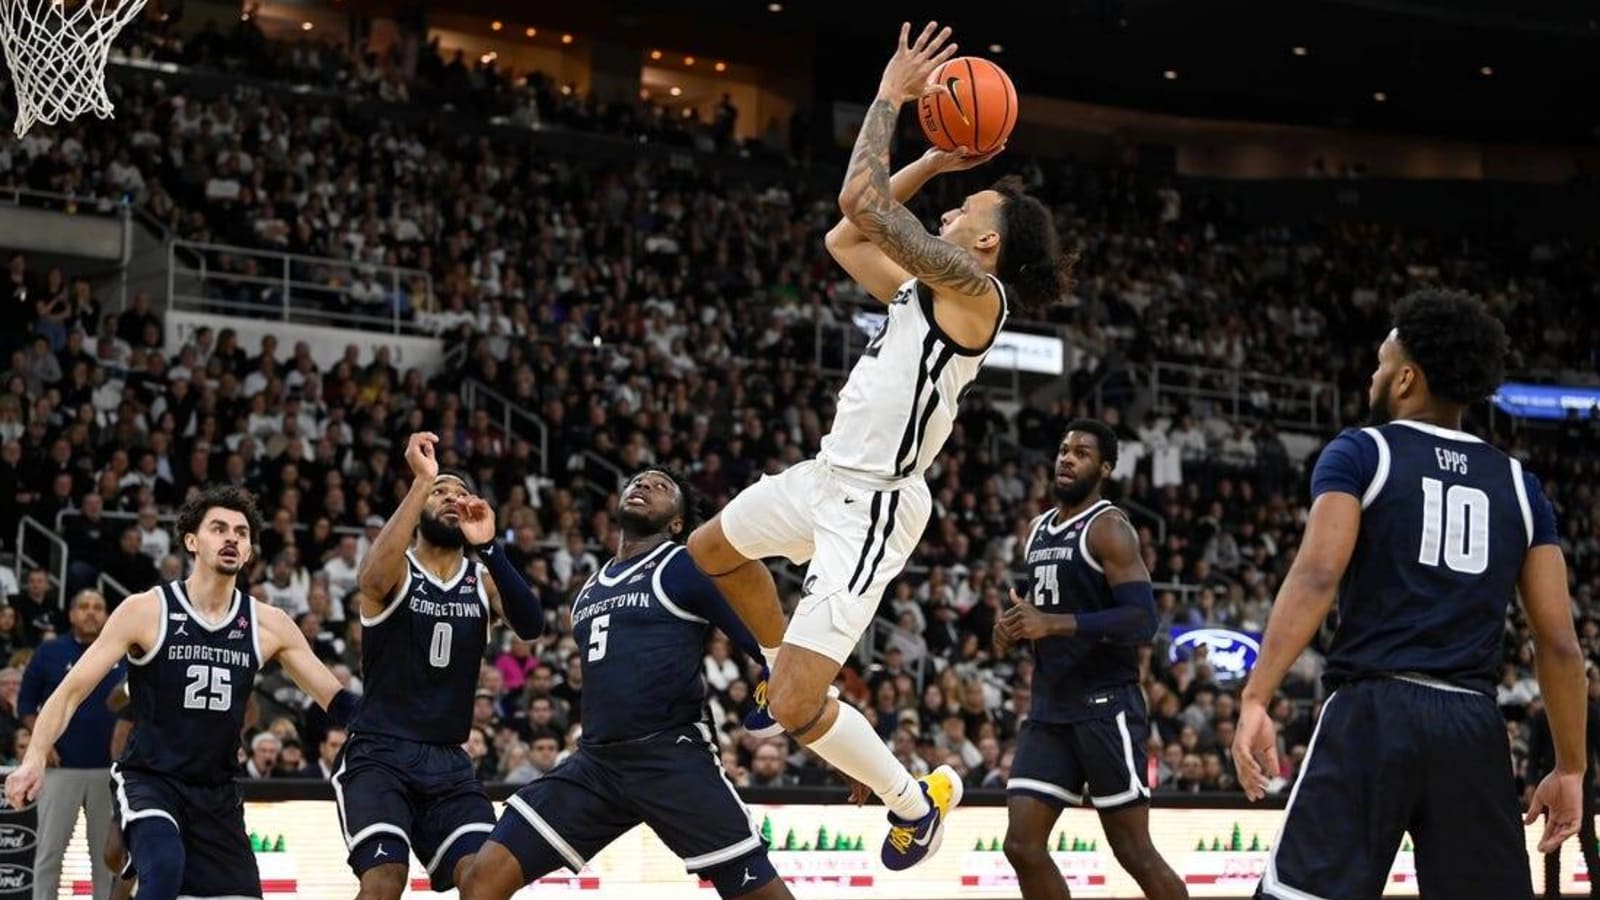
(978, 110)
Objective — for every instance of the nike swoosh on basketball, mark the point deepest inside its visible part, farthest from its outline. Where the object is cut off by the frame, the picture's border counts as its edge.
(955, 99)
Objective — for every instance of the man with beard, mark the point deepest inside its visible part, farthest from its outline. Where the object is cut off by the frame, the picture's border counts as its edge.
(1086, 605)
(404, 783)
(647, 754)
(1424, 534)
(194, 648)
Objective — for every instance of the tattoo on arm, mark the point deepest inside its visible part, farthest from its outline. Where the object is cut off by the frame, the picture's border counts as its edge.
(869, 202)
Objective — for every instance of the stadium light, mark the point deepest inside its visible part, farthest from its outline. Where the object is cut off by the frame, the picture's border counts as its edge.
(1170, 74)
(496, 25)
(688, 60)
(1300, 51)
(1486, 71)
(676, 91)
(655, 54)
(1380, 96)
(566, 39)
(774, 7)
(530, 31)
(996, 48)
(721, 67)
(306, 26)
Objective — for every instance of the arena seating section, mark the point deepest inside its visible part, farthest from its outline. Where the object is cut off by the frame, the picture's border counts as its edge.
(658, 314)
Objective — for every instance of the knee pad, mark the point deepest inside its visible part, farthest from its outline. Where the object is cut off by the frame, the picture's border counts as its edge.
(748, 873)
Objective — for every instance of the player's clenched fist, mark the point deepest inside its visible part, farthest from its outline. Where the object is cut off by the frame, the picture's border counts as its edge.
(420, 456)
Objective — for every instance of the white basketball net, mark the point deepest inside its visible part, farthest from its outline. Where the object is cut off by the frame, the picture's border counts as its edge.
(56, 50)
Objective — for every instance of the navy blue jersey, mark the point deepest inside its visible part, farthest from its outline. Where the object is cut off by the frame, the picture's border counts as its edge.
(1446, 521)
(641, 626)
(420, 657)
(1074, 678)
(189, 691)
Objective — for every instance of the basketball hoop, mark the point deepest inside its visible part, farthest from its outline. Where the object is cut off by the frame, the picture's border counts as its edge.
(56, 51)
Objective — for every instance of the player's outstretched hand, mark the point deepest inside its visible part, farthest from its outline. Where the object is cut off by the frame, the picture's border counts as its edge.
(958, 160)
(1022, 621)
(23, 784)
(910, 71)
(420, 456)
(477, 521)
(859, 793)
(1559, 798)
(1255, 750)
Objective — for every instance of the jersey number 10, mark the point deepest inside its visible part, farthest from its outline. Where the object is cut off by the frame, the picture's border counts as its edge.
(1456, 520)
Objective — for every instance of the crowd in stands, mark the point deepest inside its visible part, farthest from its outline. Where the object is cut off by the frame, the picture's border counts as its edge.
(655, 314)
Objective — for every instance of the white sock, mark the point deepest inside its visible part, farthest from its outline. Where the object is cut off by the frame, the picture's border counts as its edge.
(854, 749)
(771, 656)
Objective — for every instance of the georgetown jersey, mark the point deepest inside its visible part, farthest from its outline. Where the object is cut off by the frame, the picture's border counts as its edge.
(640, 629)
(901, 399)
(189, 691)
(420, 657)
(1446, 521)
(1074, 678)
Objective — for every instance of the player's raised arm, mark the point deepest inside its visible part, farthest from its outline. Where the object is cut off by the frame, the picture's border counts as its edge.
(385, 561)
(283, 641)
(510, 595)
(1558, 660)
(135, 623)
(868, 198)
(865, 261)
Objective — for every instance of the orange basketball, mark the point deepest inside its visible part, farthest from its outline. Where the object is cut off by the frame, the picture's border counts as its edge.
(978, 110)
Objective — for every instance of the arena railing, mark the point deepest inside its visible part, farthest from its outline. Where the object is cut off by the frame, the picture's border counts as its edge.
(1299, 404)
(25, 561)
(291, 287)
(514, 419)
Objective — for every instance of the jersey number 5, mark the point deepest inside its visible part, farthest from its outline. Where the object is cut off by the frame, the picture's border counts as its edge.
(1458, 521)
(208, 689)
(599, 633)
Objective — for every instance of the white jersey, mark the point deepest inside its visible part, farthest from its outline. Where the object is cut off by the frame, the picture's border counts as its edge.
(900, 402)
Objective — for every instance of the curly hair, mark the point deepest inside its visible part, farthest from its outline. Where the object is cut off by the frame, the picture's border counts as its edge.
(237, 499)
(1459, 346)
(1030, 259)
(691, 504)
(1103, 435)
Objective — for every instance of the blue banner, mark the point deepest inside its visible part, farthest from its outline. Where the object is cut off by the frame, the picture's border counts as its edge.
(1546, 401)
(1232, 654)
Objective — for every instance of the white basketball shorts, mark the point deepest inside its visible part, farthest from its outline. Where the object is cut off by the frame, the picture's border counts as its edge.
(856, 538)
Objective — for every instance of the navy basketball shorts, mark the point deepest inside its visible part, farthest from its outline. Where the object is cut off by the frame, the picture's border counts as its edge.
(218, 861)
(1098, 760)
(673, 782)
(1390, 756)
(396, 795)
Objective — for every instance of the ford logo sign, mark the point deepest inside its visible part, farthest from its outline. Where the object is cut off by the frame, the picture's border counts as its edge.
(16, 838)
(1231, 653)
(15, 878)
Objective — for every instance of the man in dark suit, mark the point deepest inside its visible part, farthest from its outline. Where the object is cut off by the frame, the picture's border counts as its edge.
(322, 767)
